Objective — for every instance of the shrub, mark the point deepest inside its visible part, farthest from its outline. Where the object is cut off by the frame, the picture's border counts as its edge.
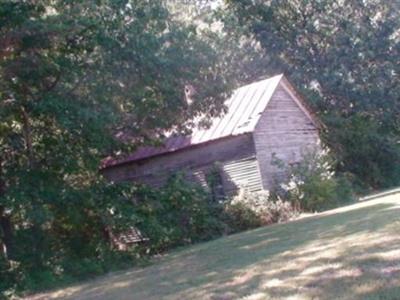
(312, 184)
(239, 217)
(254, 209)
(179, 213)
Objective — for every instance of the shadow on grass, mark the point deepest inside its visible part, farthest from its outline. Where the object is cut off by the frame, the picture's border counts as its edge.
(349, 255)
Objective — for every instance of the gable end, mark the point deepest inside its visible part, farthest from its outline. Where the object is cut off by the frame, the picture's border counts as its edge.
(285, 130)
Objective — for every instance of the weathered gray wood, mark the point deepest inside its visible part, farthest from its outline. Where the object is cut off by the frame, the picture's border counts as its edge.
(284, 130)
(154, 171)
(241, 173)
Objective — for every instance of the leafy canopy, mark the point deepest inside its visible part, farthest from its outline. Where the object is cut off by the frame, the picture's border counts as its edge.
(74, 75)
(343, 55)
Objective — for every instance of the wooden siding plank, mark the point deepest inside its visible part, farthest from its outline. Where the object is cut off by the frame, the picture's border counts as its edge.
(239, 173)
(283, 130)
(155, 171)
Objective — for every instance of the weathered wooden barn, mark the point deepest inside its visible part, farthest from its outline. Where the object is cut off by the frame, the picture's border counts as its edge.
(264, 119)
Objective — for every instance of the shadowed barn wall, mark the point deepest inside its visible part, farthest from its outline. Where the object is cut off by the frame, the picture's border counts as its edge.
(196, 161)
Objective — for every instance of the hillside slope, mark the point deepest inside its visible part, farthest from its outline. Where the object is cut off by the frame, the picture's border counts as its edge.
(348, 253)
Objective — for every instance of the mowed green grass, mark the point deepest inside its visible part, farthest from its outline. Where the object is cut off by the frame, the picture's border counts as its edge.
(348, 253)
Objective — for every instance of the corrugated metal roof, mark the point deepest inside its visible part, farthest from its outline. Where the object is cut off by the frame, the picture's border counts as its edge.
(244, 109)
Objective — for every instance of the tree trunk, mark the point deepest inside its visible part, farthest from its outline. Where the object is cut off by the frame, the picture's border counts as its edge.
(6, 233)
(27, 131)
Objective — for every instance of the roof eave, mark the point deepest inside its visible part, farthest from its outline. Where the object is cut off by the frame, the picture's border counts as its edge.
(307, 108)
(128, 161)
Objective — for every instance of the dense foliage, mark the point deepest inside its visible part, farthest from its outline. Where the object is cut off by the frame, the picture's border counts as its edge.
(312, 184)
(179, 213)
(343, 55)
(73, 76)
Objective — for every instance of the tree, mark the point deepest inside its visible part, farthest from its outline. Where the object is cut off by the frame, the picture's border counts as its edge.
(344, 57)
(75, 79)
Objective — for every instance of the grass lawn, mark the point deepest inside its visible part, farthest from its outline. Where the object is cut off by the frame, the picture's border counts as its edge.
(348, 253)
